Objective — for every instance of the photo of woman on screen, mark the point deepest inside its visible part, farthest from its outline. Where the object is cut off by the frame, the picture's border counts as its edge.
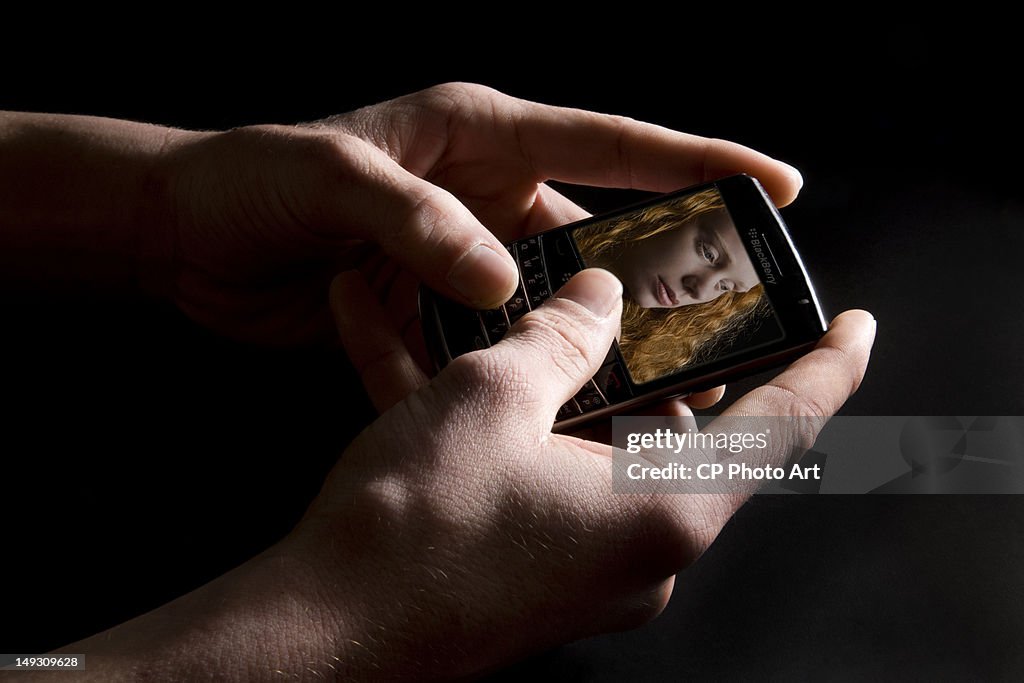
(689, 285)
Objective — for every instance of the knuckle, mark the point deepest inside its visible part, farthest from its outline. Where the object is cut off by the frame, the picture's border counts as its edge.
(562, 336)
(339, 153)
(311, 145)
(329, 161)
(261, 148)
(309, 154)
(261, 133)
(807, 414)
(674, 540)
(709, 148)
(624, 131)
(488, 378)
(285, 171)
(424, 216)
(625, 128)
(459, 97)
(643, 609)
(461, 91)
(797, 404)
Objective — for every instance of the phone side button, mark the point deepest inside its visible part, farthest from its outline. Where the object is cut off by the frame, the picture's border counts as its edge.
(516, 307)
(568, 409)
(535, 281)
(532, 264)
(527, 248)
(495, 324)
(539, 292)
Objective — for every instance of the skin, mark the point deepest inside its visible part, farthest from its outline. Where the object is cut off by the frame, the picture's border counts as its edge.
(694, 263)
(456, 533)
(244, 229)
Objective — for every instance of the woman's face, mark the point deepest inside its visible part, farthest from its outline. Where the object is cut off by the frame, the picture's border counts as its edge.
(691, 264)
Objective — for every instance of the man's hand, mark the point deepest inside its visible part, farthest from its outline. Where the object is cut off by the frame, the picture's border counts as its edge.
(259, 219)
(457, 532)
(468, 534)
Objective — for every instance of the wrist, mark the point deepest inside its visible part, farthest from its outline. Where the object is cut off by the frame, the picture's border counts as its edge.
(84, 200)
(260, 620)
(398, 601)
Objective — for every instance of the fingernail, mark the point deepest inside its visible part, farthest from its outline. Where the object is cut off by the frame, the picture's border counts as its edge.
(483, 276)
(595, 289)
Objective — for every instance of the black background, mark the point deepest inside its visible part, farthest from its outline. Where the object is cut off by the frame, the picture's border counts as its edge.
(142, 456)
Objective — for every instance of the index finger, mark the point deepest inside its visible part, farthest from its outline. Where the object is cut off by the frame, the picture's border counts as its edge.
(584, 147)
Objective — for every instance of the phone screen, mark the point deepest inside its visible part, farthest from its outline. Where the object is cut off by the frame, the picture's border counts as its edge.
(691, 293)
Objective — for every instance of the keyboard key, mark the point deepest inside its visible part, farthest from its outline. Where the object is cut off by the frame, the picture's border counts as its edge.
(495, 324)
(516, 307)
(568, 409)
(611, 380)
(527, 249)
(536, 286)
(559, 258)
(538, 294)
(589, 398)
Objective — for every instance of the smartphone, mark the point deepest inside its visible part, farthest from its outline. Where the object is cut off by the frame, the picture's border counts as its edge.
(713, 290)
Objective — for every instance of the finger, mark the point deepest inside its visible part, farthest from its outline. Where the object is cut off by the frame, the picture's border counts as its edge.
(550, 209)
(396, 289)
(704, 399)
(611, 151)
(807, 393)
(798, 402)
(398, 295)
(375, 348)
(364, 193)
(560, 346)
(817, 384)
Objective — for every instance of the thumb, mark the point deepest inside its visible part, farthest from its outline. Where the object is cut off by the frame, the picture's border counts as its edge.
(560, 346)
(365, 193)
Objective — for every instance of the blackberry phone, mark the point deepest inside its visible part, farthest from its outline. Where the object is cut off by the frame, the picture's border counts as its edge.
(713, 290)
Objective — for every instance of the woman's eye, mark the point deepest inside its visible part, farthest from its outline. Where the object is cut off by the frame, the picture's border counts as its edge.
(725, 285)
(707, 252)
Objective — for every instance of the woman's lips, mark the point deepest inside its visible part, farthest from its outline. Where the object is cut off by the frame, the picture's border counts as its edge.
(665, 296)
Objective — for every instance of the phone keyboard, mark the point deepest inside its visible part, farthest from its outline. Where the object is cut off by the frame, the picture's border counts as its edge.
(546, 262)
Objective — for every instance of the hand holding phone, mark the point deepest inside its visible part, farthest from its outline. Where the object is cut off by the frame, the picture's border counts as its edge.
(713, 289)
(461, 474)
